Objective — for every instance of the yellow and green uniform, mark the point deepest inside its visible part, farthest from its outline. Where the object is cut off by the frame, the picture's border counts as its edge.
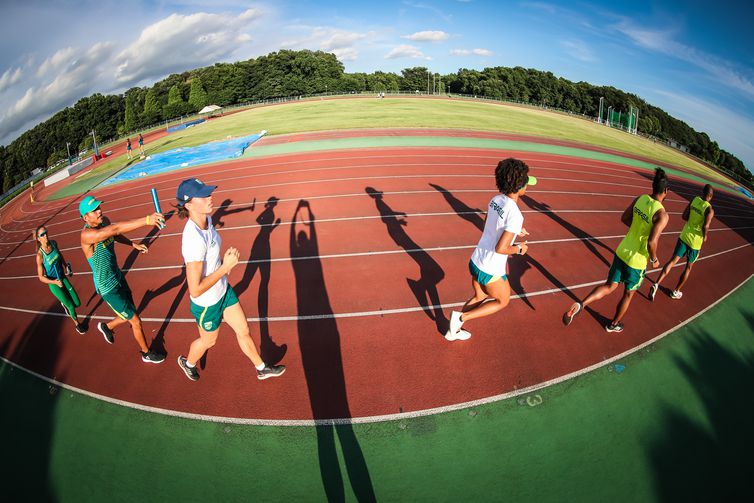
(109, 280)
(632, 255)
(52, 263)
(692, 236)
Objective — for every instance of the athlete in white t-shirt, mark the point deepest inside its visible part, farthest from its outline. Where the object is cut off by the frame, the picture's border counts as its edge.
(212, 299)
(488, 261)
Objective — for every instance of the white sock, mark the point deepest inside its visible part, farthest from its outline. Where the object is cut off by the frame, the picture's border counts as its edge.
(261, 366)
(190, 365)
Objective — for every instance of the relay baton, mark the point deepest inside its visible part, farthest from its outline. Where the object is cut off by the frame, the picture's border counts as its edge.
(157, 206)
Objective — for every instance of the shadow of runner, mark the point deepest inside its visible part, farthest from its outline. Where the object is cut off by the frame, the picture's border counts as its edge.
(29, 417)
(259, 259)
(430, 272)
(158, 340)
(223, 211)
(472, 215)
(319, 341)
(587, 238)
(707, 456)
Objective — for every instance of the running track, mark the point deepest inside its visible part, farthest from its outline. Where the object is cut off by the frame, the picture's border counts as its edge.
(347, 300)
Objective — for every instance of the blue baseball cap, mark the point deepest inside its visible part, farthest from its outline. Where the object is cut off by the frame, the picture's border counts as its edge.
(88, 204)
(191, 188)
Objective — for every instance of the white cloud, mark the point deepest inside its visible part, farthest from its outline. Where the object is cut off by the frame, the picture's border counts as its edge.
(339, 42)
(76, 81)
(57, 61)
(9, 78)
(471, 52)
(577, 49)
(405, 51)
(427, 36)
(661, 41)
(179, 42)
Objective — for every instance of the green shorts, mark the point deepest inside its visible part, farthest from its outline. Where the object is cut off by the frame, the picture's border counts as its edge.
(621, 273)
(683, 250)
(121, 301)
(209, 318)
(482, 277)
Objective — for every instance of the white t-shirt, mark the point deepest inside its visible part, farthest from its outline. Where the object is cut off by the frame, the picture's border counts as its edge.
(204, 246)
(502, 215)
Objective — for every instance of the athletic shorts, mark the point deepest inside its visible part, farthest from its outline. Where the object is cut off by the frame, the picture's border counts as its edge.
(482, 277)
(683, 250)
(621, 273)
(121, 301)
(209, 318)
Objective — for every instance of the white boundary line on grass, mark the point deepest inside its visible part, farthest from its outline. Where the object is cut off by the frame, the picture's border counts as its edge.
(381, 418)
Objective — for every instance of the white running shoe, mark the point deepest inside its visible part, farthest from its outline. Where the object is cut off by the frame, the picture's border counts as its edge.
(461, 335)
(676, 294)
(571, 313)
(653, 291)
(455, 322)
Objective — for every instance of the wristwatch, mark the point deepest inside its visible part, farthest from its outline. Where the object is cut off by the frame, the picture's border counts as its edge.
(520, 249)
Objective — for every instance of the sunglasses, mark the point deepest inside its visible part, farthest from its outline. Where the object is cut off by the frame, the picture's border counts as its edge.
(44, 233)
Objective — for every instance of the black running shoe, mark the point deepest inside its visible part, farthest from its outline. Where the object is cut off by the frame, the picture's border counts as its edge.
(190, 372)
(80, 328)
(106, 332)
(270, 371)
(152, 357)
(618, 327)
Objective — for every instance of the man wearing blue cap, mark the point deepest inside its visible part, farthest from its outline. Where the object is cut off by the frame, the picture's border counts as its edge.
(98, 243)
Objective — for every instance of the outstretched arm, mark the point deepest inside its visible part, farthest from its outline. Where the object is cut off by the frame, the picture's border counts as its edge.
(91, 236)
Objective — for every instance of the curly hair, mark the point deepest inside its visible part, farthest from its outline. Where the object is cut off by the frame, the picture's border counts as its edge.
(511, 175)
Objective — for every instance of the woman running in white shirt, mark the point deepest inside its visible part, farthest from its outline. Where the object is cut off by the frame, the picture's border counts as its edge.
(488, 261)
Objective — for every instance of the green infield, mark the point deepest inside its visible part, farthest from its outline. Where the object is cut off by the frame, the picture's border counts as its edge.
(672, 422)
(332, 114)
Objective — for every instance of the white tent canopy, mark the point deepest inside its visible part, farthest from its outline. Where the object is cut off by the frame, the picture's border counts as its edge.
(209, 109)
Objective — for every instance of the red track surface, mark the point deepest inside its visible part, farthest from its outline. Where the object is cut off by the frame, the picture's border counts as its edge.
(363, 365)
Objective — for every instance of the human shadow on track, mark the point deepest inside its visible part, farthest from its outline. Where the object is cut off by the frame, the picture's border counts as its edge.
(259, 259)
(319, 340)
(707, 456)
(30, 411)
(430, 272)
(588, 240)
(517, 265)
(223, 211)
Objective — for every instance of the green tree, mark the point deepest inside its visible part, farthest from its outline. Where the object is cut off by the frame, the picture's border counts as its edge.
(151, 113)
(197, 95)
(130, 121)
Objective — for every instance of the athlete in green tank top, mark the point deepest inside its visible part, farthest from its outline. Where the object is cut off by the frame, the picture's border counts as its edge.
(97, 243)
(698, 215)
(51, 270)
(646, 218)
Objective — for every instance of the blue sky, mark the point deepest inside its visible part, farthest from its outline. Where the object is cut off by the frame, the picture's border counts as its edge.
(693, 60)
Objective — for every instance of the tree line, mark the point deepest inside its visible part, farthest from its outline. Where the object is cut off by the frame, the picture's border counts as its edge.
(289, 73)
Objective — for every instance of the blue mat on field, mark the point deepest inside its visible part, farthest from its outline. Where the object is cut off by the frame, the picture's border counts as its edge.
(173, 129)
(745, 192)
(186, 157)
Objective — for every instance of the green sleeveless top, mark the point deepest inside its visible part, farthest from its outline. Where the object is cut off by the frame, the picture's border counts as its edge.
(52, 262)
(692, 231)
(633, 249)
(105, 271)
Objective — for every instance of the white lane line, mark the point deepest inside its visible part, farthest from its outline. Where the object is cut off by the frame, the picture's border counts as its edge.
(384, 417)
(360, 314)
(339, 219)
(376, 253)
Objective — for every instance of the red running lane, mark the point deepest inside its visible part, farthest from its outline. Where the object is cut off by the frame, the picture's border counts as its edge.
(370, 365)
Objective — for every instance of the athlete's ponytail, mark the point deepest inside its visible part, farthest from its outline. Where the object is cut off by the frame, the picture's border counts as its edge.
(660, 181)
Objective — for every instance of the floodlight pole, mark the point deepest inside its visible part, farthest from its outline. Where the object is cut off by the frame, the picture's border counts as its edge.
(68, 149)
(602, 108)
(609, 119)
(94, 142)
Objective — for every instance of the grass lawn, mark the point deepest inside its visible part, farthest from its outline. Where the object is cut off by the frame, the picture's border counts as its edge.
(319, 115)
